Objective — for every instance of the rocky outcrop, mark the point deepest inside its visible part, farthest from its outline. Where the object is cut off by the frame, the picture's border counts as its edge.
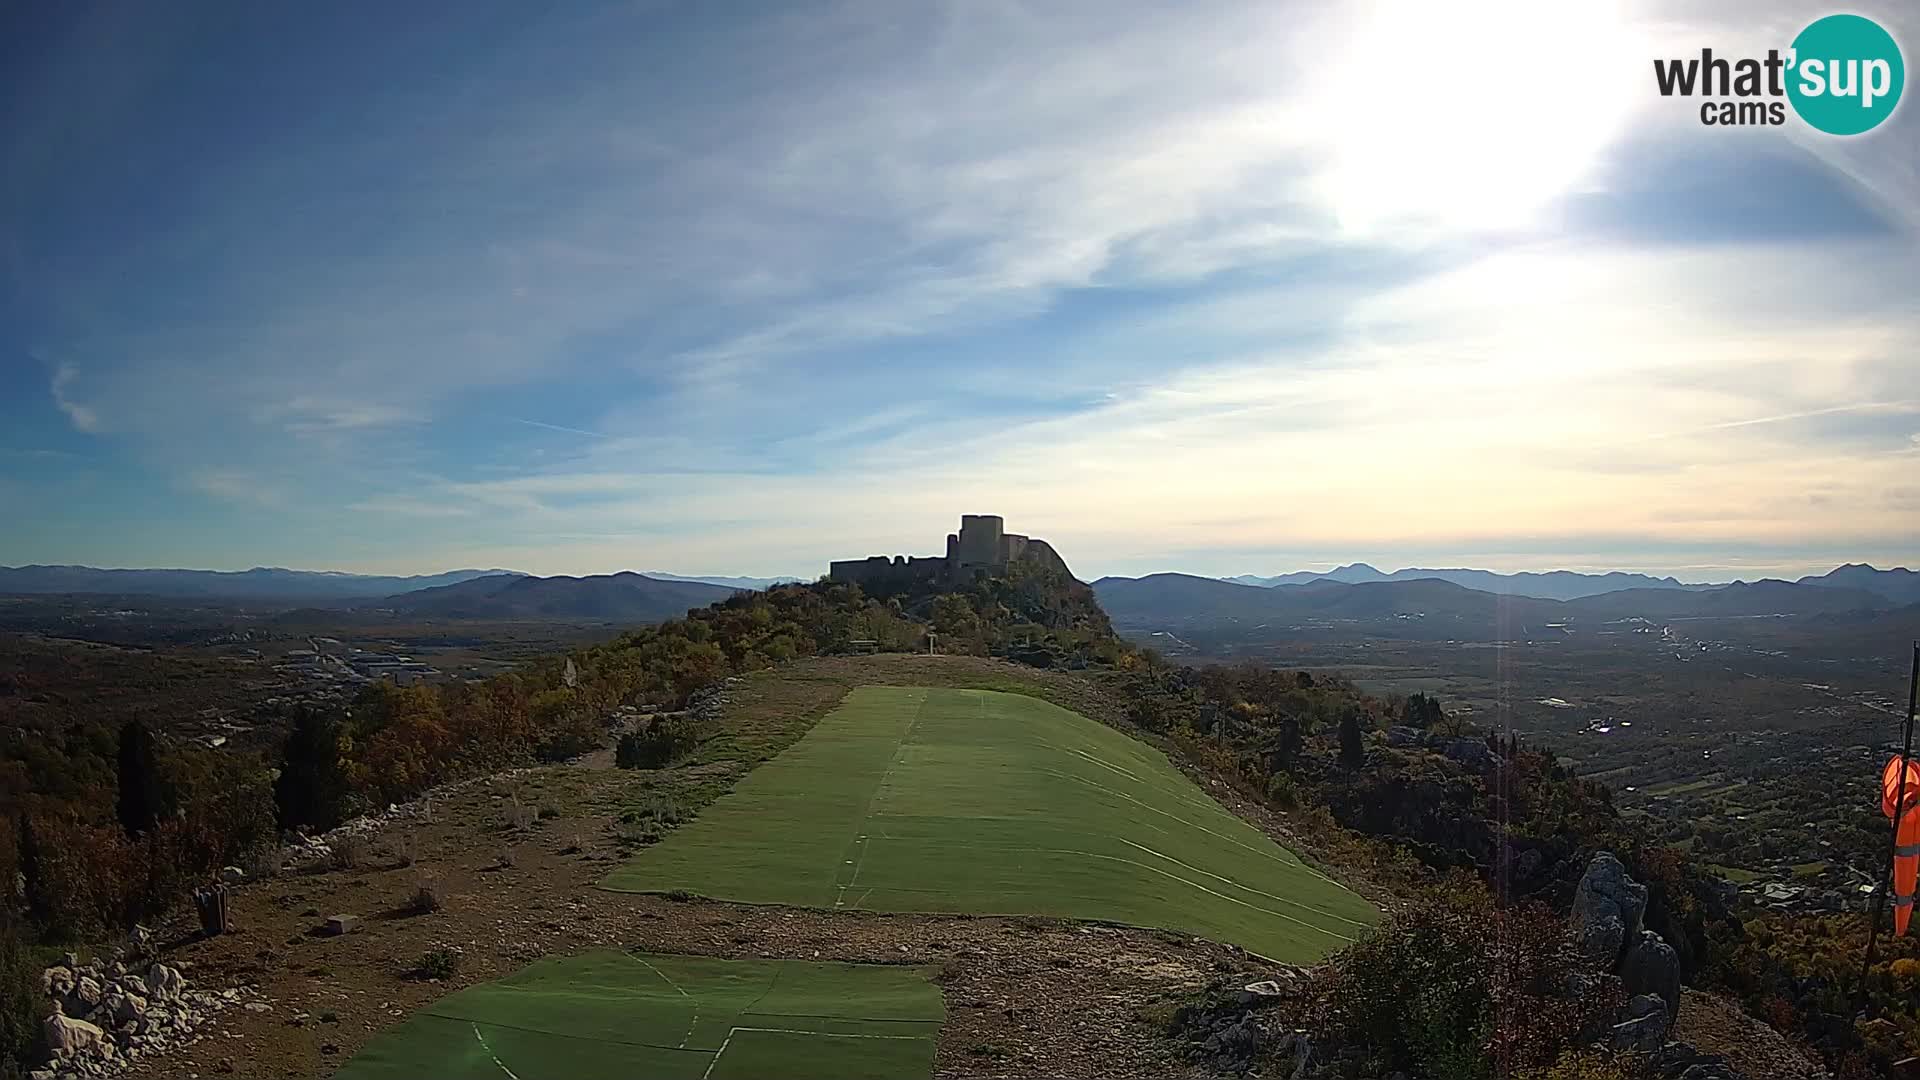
(1645, 1028)
(1607, 909)
(106, 1017)
(1651, 967)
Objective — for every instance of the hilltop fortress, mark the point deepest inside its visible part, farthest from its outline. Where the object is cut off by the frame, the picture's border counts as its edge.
(983, 546)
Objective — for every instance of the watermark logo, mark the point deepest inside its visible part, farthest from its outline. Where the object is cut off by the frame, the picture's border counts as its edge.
(1842, 75)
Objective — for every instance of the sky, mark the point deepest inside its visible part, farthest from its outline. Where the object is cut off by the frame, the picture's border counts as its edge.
(739, 288)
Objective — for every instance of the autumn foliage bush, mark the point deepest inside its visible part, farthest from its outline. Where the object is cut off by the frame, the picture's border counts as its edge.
(1459, 989)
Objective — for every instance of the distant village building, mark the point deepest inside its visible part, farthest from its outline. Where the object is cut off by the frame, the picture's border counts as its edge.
(983, 546)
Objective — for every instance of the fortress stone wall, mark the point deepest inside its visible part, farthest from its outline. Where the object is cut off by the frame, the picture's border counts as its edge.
(982, 546)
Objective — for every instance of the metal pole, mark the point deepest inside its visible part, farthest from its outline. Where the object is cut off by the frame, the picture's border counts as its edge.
(1885, 883)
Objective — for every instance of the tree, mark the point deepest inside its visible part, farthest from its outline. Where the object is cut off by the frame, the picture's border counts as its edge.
(142, 796)
(311, 790)
(1353, 748)
(32, 873)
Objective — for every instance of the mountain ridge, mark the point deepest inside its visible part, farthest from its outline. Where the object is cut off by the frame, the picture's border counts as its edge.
(624, 596)
(1190, 600)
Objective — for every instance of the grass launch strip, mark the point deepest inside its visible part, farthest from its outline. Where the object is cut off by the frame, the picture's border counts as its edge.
(979, 802)
(620, 1016)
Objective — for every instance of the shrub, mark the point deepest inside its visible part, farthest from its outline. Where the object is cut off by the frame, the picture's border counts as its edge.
(1453, 986)
(655, 745)
(20, 1003)
(1580, 1065)
(437, 964)
(1282, 792)
(426, 895)
(348, 853)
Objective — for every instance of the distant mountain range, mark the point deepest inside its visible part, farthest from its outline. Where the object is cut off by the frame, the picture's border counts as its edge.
(259, 583)
(1552, 585)
(754, 583)
(1900, 585)
(1177, 600)
(623, 597)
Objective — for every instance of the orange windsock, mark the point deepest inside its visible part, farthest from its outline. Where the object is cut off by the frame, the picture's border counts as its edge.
(1906, 839)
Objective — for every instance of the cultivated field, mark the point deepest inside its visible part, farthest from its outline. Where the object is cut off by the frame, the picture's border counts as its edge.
(613, 1016)
(914, 799)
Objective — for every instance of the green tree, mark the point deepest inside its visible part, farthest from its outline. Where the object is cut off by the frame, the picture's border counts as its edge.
(142, 796)
(1353, 747)
(20, 1003)
(311, 790)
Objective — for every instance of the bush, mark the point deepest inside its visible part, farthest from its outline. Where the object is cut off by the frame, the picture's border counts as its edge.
(1450, 987)
(426, 896)
(21, 1005)
(1581, 1065)
(654, 746)
(437, 964)
(1282, 792)
(348, 853)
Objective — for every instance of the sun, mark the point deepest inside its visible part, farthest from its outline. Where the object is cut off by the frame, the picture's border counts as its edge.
(1470, 116)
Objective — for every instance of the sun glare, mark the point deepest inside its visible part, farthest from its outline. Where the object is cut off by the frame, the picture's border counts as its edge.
(1470, 116)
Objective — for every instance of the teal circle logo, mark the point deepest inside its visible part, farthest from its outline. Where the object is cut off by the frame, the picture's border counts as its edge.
(1846, 76)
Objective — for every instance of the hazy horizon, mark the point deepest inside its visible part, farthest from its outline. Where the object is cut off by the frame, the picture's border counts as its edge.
(1214, 288)
(1690, 575)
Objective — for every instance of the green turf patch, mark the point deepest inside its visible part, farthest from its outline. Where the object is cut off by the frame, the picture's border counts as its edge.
(617, 1016)
(974, 801)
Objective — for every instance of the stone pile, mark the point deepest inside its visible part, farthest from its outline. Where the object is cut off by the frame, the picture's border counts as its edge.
(106, 1015)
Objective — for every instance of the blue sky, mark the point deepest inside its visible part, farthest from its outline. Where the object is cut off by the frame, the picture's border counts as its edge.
(1222, 288)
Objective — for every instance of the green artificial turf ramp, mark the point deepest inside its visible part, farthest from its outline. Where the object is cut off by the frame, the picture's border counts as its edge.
(973, 801)
(621, 1016)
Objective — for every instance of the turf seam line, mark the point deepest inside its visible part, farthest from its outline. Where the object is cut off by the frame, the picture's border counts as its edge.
(839, 1019)
(840, 898)
(556, 1034)
(778, 968)
(496, 1057)
(728, 1041)
(1239, 885)
(832, 1034)
(1172, 877)
(1196, 826)
(691, 1024)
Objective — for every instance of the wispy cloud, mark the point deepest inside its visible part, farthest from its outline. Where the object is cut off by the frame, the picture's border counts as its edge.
(557, 427)
(83, 417)
(1146, 278)
(237, 485)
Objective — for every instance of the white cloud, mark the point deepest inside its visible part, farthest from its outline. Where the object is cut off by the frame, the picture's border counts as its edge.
(772, 310)
(237, 485)
(83, 417)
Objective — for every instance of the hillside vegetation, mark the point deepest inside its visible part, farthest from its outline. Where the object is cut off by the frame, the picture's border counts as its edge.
(1395, 793)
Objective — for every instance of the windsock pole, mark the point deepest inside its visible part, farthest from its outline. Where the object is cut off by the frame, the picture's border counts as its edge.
(1899, 808)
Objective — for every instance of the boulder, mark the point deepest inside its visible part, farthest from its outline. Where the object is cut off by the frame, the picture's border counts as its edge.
(85, 997)
(167, 982)
(67, 1036)
(1473, 752)
(1652, 967)
(134, 984)
(57, 981)
(1646, 1026)
(1400, 737)
(337, 925)
(232, 875)
(1607, 909)
(126, 1008)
